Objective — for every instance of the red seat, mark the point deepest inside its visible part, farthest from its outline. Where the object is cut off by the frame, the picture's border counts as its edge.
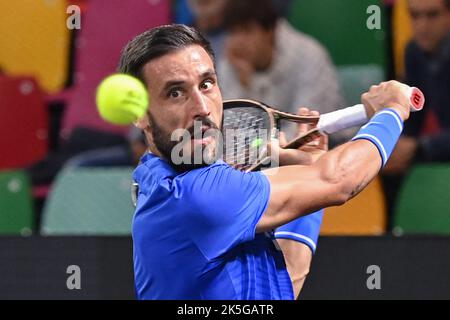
(23, 122)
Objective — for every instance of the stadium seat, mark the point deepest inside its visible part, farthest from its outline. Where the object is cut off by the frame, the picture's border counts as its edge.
(16, 208)
(357, 79)
(363, 215)
(107, 26)
(423, 205)
(23, 122)
(342, 27)
(89, 201)
(35, 40)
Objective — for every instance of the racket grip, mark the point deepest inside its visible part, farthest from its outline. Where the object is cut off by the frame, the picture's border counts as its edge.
(356, 116)
(342, 119)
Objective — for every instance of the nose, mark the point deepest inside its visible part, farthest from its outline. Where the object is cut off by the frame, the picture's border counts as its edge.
(422, 23)
(200, 105)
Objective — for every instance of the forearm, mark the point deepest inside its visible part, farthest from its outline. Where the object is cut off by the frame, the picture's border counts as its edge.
(336, 177)
(350, 168)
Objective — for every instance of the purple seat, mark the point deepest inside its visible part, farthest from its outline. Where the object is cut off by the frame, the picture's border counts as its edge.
(106, 27)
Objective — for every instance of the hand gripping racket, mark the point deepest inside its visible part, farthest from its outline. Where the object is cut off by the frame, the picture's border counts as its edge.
(248, 126)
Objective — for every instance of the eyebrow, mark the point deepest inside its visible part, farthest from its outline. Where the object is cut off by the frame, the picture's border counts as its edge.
(207, 74)
(173, 83)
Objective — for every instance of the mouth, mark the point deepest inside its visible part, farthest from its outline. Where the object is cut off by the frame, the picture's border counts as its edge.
(203, 141)
(204, 136)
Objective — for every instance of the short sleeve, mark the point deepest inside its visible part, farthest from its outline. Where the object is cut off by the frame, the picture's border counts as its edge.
(224, 206)
(305, 229)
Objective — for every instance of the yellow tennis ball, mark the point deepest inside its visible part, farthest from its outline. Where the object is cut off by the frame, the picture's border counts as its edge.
(121, 99)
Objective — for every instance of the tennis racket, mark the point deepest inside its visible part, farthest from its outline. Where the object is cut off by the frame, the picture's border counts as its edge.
(249, 126)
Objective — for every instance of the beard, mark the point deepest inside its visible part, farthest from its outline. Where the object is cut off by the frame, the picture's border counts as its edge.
(179, 153)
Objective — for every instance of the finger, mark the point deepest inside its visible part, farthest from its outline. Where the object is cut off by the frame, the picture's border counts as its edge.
(313, 113)
(323, 142)
(303, 111)
(273, 148)
(282, 139)
(302, 127)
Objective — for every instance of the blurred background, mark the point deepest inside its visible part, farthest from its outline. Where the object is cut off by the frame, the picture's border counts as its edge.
(65, 174)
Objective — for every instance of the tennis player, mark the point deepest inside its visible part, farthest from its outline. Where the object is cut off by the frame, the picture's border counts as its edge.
(200, 230)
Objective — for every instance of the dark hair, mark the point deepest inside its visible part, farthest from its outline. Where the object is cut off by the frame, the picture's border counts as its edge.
(158, 42)
(239, 13)
(447, 4)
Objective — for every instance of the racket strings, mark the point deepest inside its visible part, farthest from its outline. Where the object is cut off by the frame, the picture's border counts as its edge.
(246, 132)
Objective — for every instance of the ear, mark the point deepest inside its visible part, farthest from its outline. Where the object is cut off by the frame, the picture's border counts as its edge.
(142, 123)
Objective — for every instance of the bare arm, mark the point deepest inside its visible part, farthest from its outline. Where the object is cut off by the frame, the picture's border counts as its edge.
(338, 175)
(332, 180)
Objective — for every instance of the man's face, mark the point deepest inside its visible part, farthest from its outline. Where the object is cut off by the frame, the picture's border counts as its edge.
(251, 43)
(208, 13)
(185, 102)
(430, 22)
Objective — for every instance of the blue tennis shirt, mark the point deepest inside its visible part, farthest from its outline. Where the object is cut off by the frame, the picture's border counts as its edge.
(194, 235)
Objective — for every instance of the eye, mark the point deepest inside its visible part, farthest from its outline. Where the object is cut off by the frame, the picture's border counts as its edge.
(432, 14)
(207, 85)
(174, 93)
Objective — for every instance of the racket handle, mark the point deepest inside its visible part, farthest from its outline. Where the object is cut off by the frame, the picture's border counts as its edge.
(356, 116)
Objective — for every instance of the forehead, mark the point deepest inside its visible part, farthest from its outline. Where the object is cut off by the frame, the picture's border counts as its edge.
(181, 64)
(426, 5)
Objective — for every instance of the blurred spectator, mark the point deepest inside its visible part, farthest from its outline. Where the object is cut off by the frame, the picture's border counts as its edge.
(427, 134)
(266, 59)
(426, 137)
(208, 19)
(207, 16)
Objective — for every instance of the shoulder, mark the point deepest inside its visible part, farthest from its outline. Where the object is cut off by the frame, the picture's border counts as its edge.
(222, 185)
(153, 174)
(216, 176)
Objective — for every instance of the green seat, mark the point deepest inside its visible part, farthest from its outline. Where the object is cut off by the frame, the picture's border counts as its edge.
(424, 202)
(16, 207)
(90, 201)
(341, 26)
(357, 79)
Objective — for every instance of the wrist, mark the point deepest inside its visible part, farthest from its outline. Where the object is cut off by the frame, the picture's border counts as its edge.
(383, 130)
(399, 110)
(370, 112)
